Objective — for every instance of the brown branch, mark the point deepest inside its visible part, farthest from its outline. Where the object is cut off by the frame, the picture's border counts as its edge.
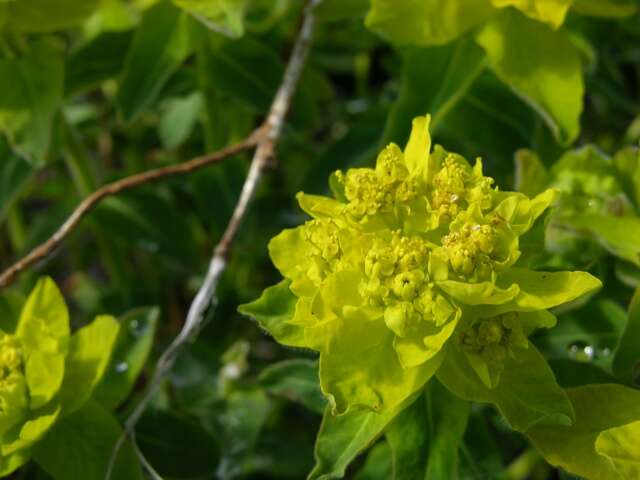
(46, 248)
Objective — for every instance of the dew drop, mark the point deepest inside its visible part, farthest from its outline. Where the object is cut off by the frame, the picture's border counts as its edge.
(121, 367)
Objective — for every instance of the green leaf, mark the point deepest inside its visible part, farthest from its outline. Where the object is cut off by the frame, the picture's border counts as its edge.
(44, 373)
(159, 47)
(573, 448)
(433, 81)
(552, 84)
(616, 234)
(95, 62)
(342, 438)
(274, 311)
(605, 8)
(224, 16)
(378, 465)
(44, 320)
(49, 15)
(425, 437)
(621, 446)
(531, 175)
(30, 93)
(552, 12)
(626, 360)
(89, 354)
(425, 23)
(627, 162)
(14, 175)
(575, 373)
(10, 307)
(296, 380)
(177, 448)
(179, 119)
(543, 290)
(132, 348)
(526, 395)
(80, 446)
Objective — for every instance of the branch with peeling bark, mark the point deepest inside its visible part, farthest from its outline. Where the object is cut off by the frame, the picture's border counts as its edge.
(267, 138)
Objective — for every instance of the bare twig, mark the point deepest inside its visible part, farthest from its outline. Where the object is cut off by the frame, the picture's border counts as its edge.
(271, 128)
(49, 246)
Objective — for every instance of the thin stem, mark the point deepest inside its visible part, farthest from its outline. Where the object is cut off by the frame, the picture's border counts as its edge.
(270, 133)
(46, 248)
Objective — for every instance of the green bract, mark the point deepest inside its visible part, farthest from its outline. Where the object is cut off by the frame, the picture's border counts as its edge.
(415, 253)
(45, 373)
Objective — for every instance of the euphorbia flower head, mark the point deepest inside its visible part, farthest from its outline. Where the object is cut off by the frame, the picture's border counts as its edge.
(402, 259)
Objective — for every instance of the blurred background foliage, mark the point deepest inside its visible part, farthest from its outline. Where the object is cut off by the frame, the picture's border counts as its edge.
(96, 90)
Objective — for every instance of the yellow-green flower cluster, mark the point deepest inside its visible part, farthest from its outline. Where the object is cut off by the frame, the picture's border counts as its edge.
(403, 256)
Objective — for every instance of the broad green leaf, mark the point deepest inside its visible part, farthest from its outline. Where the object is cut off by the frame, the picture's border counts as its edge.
(433, 81)
(573, 448)
(12, 462)
(378, 465)
(543, 290)
(627, 162)
(14, 175)
(605, 8)
(626, 360)
(90, 434)
(342, 438)
(132, 348)
(159, 47)
(10, 307)
(296, 380)
(336, 10)
(428, 22)
(576, 373)
(246, 412)
(30, 93)
(49, 15)
(621, 445)
(274, 311)
(526, 395)
(617, 234)
(44, 320)
(179, 119)
(552, 12)
(531, 176)
(224, 16)
(552, 84)
(176, 447)
(99, 60)
(89, 354)
(425, 437)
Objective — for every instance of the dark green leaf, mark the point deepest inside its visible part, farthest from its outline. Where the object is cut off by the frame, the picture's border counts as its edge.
(80, 446)
(626, 360)
(133, 345)
(160, 45)
(296, 380)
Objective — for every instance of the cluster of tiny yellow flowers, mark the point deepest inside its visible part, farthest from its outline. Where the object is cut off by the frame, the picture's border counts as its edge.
(469, 250)
(455, 187)
(323, 248)
(493, 338)
(11, 366)
(371, 191)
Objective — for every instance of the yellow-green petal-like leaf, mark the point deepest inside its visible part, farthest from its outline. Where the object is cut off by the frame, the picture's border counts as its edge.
(44, 373)
(274, 311)
(543, 290)
(418, 148)
(621, 445)
(483, 293)
(44, 320)
(426, 22)
(531, 175)
(89, 354)
(598, 408)
(549, 76)
(552, 12)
